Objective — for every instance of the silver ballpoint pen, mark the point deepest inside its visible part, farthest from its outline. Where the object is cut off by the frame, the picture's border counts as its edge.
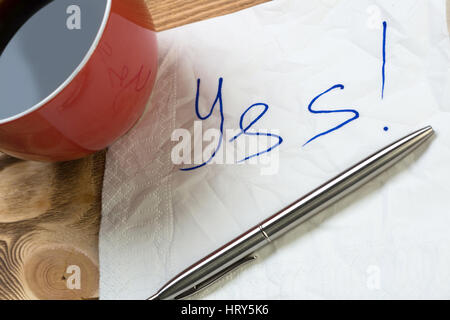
(241, 249)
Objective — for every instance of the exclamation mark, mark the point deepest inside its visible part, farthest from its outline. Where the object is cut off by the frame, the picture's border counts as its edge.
(383, 71)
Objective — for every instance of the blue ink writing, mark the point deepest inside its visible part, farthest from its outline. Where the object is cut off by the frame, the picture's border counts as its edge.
(197, 111)
(244, 130)
(355, 113)
(385, 128)
(383, 71)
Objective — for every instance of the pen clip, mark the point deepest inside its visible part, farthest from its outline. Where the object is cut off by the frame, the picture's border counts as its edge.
(209, 281)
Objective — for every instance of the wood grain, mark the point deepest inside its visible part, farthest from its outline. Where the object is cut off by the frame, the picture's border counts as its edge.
(173, 13)
(50, 213)
(49, 219)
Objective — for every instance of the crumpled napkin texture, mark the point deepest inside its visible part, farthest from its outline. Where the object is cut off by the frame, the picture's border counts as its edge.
(390, 239)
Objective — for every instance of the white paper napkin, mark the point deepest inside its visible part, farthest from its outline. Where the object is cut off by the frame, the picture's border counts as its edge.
(390, 239)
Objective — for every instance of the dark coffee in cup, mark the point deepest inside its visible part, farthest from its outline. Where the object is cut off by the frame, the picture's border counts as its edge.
(42, 44)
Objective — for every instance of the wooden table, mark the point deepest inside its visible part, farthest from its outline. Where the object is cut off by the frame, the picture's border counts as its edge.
(50, 213)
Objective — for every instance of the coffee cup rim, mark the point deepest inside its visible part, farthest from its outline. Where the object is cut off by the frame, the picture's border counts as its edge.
(72, 76)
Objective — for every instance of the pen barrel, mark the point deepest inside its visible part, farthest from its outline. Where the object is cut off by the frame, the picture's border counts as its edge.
(212, 267)
(234, 253)
(342, 185)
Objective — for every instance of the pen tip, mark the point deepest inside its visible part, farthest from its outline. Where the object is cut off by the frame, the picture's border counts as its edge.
(425, 132)
(429, 130)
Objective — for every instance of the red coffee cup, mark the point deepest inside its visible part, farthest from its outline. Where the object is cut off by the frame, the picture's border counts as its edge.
(75, 75)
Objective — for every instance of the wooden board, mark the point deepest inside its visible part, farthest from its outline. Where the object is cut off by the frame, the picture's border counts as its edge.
(49, 219)
(173, 13)
(50, 213)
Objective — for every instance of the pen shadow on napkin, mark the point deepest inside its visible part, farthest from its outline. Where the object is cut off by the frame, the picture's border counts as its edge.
(374, 186)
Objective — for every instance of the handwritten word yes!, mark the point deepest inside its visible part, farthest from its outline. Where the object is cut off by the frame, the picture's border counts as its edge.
(265, 108)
